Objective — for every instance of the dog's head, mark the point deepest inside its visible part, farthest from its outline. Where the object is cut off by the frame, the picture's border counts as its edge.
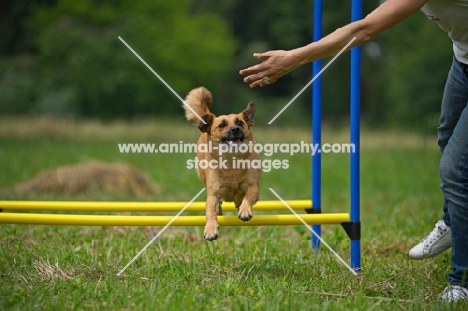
(231, 129)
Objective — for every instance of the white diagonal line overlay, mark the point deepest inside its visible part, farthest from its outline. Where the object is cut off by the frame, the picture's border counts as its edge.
(313, 232)
(161, 79)
(160, 232)
(313, 79)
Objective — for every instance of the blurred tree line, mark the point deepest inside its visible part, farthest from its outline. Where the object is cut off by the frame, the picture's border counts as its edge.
(64, 57)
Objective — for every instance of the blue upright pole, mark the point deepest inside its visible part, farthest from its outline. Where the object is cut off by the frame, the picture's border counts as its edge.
(356, 14)
(317, 123)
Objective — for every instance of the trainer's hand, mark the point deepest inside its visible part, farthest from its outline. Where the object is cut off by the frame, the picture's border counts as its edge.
(274, 65)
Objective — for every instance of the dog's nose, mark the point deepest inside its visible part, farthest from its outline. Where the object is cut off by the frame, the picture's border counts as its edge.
(234, 130)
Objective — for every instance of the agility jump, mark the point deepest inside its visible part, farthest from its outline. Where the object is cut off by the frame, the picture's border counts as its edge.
(14, 213)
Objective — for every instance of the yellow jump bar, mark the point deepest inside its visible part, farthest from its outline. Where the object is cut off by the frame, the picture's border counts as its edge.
(87, 206)
(107, 220)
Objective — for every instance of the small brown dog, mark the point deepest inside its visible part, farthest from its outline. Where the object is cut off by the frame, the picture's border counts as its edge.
(219, 168)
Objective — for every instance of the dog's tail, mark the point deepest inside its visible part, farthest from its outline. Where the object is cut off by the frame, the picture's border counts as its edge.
(199, 101)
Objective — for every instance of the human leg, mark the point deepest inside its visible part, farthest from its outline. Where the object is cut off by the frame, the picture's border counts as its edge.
(454, 168)
(454, 101)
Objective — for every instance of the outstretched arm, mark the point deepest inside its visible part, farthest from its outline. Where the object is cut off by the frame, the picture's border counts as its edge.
(276, 64)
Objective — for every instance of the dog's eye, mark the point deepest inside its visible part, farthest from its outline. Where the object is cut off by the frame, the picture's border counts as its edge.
(239, 123)
(222, 125)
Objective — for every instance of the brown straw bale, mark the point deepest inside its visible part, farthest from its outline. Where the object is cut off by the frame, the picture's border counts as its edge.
(86, 177)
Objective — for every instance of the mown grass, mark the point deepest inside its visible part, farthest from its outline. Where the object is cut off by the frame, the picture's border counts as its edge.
(249, 268)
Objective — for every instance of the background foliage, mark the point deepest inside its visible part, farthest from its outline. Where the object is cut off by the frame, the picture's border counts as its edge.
(64, 57)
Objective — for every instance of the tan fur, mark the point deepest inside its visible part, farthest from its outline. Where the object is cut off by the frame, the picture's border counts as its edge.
(238, 185)
(200, 100)
(88, 176)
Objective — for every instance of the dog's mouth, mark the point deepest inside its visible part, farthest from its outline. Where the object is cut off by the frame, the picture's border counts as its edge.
(233, 141)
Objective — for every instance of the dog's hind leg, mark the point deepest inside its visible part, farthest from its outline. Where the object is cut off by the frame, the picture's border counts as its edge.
(219, 209)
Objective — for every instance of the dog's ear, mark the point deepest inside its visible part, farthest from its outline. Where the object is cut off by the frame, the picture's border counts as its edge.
(249, 113)
(206, 127)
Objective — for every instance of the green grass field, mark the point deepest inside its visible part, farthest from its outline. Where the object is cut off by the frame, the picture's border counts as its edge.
(247, 268)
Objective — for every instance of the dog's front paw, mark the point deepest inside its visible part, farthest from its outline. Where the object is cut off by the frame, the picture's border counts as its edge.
(211, 232)
(245, 213)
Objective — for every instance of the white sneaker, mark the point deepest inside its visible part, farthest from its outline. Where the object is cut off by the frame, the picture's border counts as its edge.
(454, 293)
(436, 242)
